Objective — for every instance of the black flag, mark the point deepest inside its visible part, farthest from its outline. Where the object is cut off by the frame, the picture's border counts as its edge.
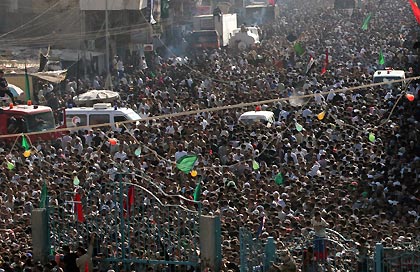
(42, 62)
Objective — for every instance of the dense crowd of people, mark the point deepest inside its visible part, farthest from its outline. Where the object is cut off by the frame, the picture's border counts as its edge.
(354, 170)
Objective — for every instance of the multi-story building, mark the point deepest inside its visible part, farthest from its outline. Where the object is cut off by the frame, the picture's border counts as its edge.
(82, 24)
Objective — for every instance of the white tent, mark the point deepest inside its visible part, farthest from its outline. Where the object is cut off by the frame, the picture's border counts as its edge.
(95, 96)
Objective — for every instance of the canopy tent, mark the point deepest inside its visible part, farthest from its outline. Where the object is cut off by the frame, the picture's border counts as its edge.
(51, 76)
(95, 96)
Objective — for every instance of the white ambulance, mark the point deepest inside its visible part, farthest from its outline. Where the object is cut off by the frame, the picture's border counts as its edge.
(100, 113)
(389, 75)
(251, 117)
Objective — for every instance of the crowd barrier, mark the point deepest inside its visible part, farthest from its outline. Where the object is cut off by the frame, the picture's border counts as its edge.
(338, 254)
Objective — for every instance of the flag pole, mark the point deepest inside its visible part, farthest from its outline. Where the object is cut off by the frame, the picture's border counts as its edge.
(27, 85)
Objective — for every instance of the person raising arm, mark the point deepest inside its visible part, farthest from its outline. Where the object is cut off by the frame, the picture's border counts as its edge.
(84, 261)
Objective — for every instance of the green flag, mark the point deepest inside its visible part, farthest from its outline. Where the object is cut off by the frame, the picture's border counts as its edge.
(381, 60)
(186, 163)
(255, 165)
(299, 49)
(44, 194)
(278, 179)
(197, 191)
(366, 21)
(25, 143)
(10, 166)
(27, 87)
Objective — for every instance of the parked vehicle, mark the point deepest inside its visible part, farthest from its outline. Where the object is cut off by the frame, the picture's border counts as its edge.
(100, 113)
(204, 39)
(18, 119)
(244, 37)
(252, 117)
(223, 24)
(389, 75)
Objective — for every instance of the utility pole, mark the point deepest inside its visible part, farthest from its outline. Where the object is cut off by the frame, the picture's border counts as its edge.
(82, 43)
(108, 83)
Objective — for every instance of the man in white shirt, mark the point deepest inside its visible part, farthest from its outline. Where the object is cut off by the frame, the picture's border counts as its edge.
(180, 153)
(292, 155)
(319, 99)
(120, 154)
(315, 169)
(66, 139)
(143, 114)
(319, 224)
(88, 137)
(330, 95)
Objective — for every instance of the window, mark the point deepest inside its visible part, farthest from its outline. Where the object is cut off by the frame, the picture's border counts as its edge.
(119, 119)
(76, 120)
(40, 121)
(386, 78)
(96, 119)
(16, 125)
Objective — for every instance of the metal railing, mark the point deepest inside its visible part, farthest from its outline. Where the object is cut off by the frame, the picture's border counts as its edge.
(311, 254)
(135, 228)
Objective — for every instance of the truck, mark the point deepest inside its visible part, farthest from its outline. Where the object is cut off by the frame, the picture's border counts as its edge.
(258, 14)
(204, 39)
(245, 37)
(223, 24)
(38, 121)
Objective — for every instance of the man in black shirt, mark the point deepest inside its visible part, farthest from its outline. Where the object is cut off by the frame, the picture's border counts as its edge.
(69, 260)
(4, 89)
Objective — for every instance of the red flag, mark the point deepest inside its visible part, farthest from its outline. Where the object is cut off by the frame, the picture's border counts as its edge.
(324, 69)
(79, 208)
(272, 2)
(416, 10)
(131, 196)
(130, 201)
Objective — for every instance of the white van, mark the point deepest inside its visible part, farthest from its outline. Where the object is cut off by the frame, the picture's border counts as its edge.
(389, 75)
(244, 37)
(100, 113)
(250, 117)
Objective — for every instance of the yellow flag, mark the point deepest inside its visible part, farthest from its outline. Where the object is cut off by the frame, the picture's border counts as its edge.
(321, 115)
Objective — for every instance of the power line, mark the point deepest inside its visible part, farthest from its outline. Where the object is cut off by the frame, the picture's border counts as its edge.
(227, 107)
(45, 39)
(32, 20)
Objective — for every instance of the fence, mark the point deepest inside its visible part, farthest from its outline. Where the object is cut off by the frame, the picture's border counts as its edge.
(255, 255)
(136, 229)
(340, 255)
(258, 255)
(399, 260)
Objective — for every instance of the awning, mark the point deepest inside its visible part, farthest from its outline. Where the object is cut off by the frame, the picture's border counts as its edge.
(52, 76)
(15, 90)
